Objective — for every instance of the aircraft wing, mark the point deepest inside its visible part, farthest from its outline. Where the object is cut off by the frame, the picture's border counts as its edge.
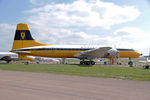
(94, 53)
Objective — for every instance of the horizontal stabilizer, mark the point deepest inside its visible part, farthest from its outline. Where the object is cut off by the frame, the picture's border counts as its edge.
(21, 52)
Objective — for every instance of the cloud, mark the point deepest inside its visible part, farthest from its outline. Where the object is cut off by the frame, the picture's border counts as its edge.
(84, 14)
(7, 32)
(62, 36)
(70, 23)
(43, 2)
(132, 38)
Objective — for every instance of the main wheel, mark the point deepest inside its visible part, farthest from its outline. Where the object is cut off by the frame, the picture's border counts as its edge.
(88, 62)
(92, 63)
(82, 62)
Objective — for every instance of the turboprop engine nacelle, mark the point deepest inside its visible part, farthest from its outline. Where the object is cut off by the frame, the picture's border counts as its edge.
(112, 52)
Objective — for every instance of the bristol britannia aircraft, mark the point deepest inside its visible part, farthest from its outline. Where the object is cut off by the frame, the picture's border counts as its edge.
(24, 45)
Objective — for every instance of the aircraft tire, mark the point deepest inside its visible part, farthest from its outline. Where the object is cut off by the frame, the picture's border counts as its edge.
(88, 63)
(82, 62)
(92, 63)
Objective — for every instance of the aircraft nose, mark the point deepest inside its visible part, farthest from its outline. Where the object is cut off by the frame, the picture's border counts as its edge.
(139, 54)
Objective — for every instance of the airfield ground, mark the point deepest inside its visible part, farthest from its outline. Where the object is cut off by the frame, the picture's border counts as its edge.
(15, 85)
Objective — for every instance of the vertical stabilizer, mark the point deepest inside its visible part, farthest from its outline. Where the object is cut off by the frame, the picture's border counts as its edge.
(23, 38)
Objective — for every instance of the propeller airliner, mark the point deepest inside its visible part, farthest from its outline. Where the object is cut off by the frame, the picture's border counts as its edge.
(24, 45)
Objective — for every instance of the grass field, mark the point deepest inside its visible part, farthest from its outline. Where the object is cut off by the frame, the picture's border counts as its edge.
(127, 73)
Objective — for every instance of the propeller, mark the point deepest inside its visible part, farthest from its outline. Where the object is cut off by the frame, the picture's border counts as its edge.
(114, 53)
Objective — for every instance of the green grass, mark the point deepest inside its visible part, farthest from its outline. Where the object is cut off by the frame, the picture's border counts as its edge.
(127, 73)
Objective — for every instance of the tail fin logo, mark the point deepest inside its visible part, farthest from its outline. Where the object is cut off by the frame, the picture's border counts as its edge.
(23, 35)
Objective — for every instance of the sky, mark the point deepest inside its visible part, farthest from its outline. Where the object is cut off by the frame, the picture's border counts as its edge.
(115, 23)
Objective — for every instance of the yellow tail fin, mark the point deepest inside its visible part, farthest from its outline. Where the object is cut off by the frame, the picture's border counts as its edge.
(23, 38)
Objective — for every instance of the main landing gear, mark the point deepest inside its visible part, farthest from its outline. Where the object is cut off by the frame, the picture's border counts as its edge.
(87, 63)
(130, 63)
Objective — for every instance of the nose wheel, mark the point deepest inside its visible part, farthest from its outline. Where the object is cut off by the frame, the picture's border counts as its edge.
(87, 63)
